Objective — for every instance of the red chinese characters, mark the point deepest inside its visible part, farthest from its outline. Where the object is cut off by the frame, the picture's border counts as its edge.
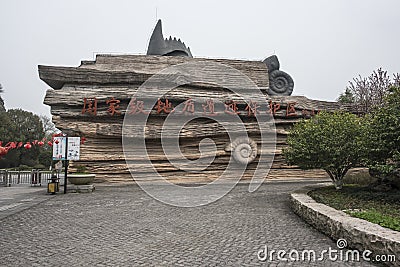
(113, 106)
(165, 107)
(188, 107)
(231, 108)
(136, 107)
(252, 109)
(274, 107)
(291, 109)
(90, 106)
(209, 108)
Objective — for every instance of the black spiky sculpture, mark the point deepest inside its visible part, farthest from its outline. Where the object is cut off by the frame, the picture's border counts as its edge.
(166, 47)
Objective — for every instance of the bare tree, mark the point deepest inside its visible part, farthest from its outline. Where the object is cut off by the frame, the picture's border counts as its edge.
(396, 79)
(369, 92)
(48, 126)
(2, 108)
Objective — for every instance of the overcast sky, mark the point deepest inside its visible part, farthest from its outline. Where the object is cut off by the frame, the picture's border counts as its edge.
(322, 44)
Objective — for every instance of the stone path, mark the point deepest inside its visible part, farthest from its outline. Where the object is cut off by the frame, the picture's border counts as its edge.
(122, 226)
(20, 197)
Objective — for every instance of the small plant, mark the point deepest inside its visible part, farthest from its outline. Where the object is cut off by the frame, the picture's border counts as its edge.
(374, 216)
(81, 169)
(39, 166)
(24, 168)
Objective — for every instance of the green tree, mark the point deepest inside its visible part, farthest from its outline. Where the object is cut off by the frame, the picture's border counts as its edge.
(329, 141)
(383, 136)
(346, 97)
(24, 127)
(7, 128)
(29, 125)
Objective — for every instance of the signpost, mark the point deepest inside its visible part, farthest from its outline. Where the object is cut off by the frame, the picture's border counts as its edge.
(59, 147)
(74, 146)
(66, 148)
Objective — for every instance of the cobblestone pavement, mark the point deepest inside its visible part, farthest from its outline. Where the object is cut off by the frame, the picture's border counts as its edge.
(19, 197)
(122, 226)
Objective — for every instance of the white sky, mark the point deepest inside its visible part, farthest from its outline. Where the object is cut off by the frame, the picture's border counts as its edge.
(322, 44)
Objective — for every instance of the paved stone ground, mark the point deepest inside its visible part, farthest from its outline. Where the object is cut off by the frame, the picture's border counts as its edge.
(19, 197)
(122, 226)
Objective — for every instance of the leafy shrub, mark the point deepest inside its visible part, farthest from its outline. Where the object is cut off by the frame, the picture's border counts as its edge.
(81, 169)
(39, 166)
(24, 168)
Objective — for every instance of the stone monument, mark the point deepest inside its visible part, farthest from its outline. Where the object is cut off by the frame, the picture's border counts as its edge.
(92, 99)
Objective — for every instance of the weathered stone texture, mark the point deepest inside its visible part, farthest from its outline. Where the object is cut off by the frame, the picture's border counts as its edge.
(121, 76)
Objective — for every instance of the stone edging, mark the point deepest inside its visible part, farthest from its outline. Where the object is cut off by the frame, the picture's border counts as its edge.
(358, 233)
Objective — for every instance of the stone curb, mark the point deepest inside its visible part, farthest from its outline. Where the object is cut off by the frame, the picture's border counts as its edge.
(359, 234)
(184, 182)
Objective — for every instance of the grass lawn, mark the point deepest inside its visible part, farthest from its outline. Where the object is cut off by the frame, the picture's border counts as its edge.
(359, 201)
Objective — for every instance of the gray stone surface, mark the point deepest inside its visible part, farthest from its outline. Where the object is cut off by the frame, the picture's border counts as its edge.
(81, 188)
(122, 226)
(358, 233)
(20, 197)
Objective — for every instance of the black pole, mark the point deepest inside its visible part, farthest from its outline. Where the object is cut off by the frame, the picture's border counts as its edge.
(66, 164)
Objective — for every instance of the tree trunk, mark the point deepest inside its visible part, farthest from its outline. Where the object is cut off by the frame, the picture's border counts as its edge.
(338, 184)
(337, 181)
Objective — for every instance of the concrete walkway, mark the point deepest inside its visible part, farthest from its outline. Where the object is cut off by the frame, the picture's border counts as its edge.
(123, 226)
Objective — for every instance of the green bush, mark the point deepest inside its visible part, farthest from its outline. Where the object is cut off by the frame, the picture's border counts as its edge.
(24, 168)
(383, 136)
(81, 169)
(39, 166)
(329, 141)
